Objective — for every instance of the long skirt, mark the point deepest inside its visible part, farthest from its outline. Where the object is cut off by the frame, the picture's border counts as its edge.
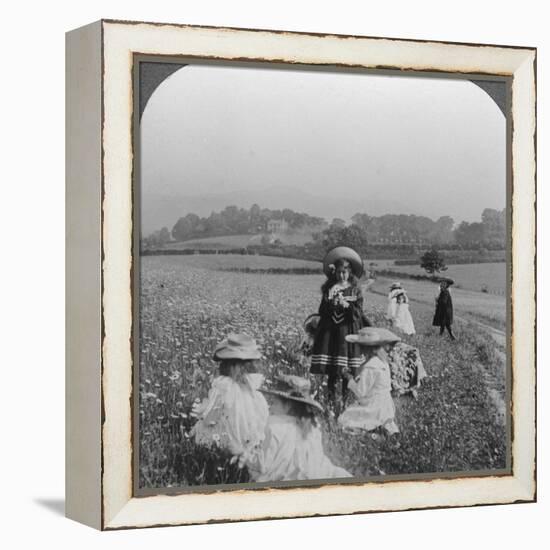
(331, 353)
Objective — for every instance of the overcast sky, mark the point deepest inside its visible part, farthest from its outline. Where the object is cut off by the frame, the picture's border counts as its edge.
(329, 144)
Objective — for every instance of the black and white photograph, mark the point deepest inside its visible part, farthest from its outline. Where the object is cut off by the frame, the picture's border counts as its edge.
(323, 275)
(274, 275)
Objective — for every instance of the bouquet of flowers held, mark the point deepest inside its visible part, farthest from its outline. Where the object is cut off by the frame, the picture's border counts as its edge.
(336, 296)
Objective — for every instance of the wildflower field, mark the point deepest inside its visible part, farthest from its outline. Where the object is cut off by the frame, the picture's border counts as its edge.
(189, 303)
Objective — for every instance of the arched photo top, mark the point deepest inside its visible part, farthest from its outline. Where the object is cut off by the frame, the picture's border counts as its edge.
(327, 142)
(153, 74)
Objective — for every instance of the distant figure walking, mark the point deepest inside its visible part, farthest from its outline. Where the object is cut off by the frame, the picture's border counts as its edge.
(443, 317)
(403, 319)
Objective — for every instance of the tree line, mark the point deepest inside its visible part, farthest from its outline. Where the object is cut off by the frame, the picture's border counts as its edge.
(236, 221)
(401, 229)
(364, 230)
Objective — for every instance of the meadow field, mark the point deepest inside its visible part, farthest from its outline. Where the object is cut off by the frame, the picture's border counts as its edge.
(237, 262)
(220, 243)
(481, 277)
(224, 242)
(486, 308)
(189, 303)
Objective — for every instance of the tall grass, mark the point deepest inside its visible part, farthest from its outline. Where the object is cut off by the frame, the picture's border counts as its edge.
(186, 309)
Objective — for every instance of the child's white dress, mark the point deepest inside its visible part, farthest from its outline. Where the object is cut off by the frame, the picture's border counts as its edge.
(392, 303)
(374, 405)
(403, 319)
(287, 454)
(234, 415)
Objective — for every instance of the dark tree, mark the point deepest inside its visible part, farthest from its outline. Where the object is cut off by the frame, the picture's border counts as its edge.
(470, 234)
(155, 240)
(433, 262)
(164, 236)
(442, 232)
(338, 223)
(351, 235)
(494, 227)
(185, 227)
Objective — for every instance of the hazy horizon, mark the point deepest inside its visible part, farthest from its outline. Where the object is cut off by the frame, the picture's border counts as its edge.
(219, 136)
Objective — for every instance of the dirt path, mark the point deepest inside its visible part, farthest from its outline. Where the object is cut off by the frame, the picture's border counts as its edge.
(499, 336)
(494, 383)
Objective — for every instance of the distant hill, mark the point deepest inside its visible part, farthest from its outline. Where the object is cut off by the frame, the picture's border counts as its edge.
(159, 211)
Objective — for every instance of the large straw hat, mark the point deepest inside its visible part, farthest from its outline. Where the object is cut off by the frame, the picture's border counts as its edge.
(294, 388)
(343, 253)
(447, 280)
(395, 285)
(237, 346)
(373, 336)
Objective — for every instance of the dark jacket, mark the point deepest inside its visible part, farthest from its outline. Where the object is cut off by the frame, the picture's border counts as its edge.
(443, 310)
(331, 352)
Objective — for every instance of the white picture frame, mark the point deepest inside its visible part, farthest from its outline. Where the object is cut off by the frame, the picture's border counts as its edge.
(100, 248)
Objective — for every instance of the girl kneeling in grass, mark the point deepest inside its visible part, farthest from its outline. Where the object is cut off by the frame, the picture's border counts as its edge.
(234, 415)
(293, 446)
(371, 384)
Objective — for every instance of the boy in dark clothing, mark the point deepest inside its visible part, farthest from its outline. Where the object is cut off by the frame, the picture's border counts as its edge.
(443, 317)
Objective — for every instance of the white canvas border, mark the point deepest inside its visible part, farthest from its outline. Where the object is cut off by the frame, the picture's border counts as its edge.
(120, 42)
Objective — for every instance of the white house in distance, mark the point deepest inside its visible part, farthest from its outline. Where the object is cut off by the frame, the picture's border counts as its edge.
(277, 226)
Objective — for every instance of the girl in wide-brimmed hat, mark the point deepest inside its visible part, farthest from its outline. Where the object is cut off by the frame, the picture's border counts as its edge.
(341, 314)
(395, 289)
(234, 415)
(371, 384)
(403, 318)
(293, 446)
